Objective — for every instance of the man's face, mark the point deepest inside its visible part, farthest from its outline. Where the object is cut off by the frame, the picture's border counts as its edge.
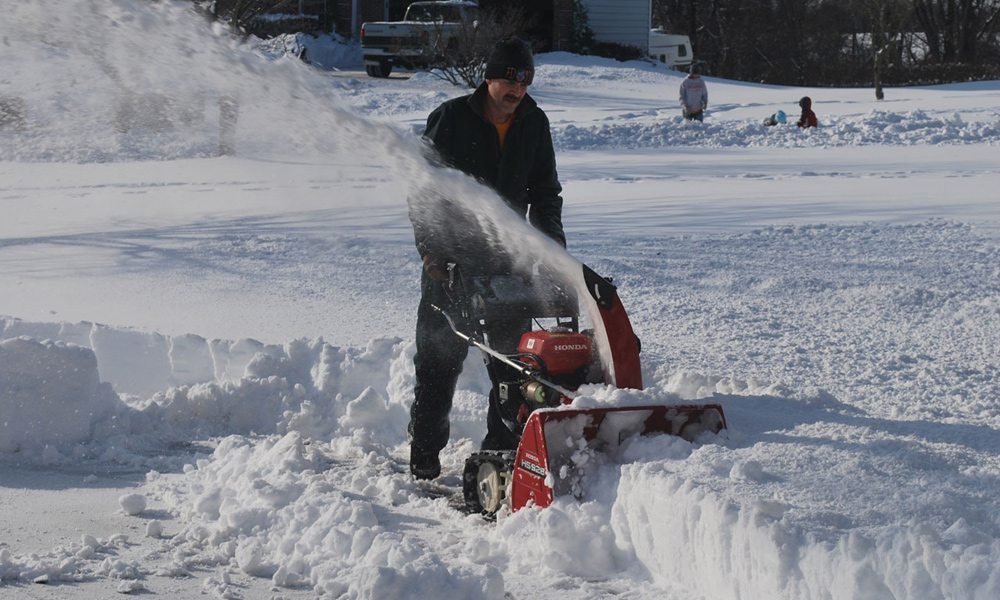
(505, 94)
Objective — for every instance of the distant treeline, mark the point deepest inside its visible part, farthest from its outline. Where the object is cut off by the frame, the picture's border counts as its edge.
(840, 42)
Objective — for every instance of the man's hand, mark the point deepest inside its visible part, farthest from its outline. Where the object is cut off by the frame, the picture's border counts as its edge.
(436, 268)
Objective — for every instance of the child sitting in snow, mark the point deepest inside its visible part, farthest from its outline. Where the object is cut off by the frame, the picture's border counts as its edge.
(778, 117)
(808, 118)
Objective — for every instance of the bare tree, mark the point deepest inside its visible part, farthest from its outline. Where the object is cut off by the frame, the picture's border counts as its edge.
(955, 29)
(885, 22)
(241, 13)
(841, 41)
(463, 59)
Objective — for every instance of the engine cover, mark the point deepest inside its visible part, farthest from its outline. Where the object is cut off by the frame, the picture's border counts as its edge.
(561, 352)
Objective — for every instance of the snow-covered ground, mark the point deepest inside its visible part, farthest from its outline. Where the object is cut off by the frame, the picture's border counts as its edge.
(205, 362)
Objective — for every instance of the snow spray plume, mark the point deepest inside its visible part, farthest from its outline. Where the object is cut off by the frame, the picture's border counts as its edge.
(477, 222)
(107, 80)
(116, 80)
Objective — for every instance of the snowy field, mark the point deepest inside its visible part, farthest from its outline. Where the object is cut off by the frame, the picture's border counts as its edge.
(206, 362)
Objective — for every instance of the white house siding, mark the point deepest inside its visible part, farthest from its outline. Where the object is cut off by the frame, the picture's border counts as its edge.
(620, 21)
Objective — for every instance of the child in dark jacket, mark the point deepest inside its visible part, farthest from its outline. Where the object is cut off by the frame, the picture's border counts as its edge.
(808, 118)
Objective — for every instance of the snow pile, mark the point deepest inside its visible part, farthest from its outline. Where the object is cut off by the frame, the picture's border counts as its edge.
(87, 559)
(51, 397)
(664, 128)
(280, 508)
(325, 51)
(755, 545)
(731, 511)
(306, 386)
(307, 512)
(141, 363)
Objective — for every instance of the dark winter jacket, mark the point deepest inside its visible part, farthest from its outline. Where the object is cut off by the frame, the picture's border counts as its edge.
(523, 173)
(808, 118)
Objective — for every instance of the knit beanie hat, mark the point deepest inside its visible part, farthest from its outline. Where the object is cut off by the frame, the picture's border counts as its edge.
(511, 59)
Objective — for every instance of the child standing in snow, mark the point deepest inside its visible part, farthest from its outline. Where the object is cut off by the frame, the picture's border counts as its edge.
(694, 95)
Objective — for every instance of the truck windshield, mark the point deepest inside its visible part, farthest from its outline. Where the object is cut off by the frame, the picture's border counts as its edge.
(431, 12)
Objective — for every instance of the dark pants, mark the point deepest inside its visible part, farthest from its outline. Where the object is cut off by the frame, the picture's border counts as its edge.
(695, 116)
(438, 363)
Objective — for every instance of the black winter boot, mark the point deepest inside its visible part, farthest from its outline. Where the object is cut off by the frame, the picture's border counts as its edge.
(424, 465)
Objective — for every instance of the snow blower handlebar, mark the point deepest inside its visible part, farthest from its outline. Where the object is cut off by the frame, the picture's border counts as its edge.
(519, 367)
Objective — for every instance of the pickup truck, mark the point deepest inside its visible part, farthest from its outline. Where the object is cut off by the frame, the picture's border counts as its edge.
(427, 31)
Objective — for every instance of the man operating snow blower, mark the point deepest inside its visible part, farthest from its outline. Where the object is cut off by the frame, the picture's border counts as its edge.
(500, 136)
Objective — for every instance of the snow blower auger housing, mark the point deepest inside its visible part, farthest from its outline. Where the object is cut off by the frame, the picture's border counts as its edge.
(536, 379)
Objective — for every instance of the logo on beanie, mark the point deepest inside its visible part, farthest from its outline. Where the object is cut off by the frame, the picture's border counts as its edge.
(516, 75)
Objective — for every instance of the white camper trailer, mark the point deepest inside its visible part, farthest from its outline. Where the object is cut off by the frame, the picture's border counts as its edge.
(670, 49)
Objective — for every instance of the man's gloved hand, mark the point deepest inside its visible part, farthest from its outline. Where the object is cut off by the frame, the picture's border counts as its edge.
(437, 268)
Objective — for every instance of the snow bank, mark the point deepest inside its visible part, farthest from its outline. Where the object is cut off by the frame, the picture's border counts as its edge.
(838, 506)
(244, 387)
(51, 398)
(141, 363)
(325, 51)
(751, 550)
(663, 128)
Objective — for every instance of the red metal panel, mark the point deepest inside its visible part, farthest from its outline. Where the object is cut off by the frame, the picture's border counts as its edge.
(531, 467)
(624, 345)
(532, 463)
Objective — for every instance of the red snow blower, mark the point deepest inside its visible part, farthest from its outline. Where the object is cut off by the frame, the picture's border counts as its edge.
(534, 381)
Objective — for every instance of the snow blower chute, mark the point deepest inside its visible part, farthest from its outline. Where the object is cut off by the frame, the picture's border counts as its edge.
(536, 374)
